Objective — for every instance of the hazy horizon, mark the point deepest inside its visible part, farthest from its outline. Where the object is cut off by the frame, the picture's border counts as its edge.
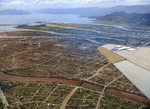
(39, 4)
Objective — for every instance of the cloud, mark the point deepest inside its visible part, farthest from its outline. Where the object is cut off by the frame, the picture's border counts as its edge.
(36, 1)
(56, 1)
(16, 3)
(49, 2)
(36, 4)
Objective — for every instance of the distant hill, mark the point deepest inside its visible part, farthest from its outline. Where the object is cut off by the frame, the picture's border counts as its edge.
(132, 9)
(125, 18)
(13, 12)
(77, 11)
(95, 11)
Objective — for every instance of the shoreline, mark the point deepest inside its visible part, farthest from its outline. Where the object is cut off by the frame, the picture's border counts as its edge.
(59, 24)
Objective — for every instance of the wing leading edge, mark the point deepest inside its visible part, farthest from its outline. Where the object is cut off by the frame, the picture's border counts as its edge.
(133, 62)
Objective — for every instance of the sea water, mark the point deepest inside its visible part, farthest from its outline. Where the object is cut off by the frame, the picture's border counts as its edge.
(26, 19)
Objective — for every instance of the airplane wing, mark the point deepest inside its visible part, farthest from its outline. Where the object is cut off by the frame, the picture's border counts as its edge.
(133, 62)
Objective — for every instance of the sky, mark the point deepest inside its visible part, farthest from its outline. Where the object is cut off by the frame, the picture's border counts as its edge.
(38, 4)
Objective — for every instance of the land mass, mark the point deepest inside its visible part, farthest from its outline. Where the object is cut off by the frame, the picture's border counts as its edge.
(14, 12)
(125, 18)
(36, 53)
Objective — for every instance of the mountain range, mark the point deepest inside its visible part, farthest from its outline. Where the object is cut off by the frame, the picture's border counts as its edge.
(95, 11)
(125, 18)
(13, 12)
(82, 11)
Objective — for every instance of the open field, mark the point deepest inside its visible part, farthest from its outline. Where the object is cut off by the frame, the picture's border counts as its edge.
(31, 95)
(42, 27)
(25, 33)
(42, 95)
(46, 60)
(112, 102)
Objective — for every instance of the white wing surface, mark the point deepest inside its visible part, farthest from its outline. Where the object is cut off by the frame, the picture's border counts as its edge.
(133, 62)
